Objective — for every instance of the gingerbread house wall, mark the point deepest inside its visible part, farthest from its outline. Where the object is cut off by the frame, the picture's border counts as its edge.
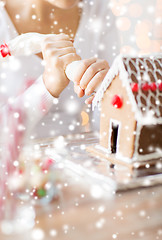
(124, 116)
(150, 140)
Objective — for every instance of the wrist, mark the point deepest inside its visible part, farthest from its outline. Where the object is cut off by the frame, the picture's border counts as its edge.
(51, 89)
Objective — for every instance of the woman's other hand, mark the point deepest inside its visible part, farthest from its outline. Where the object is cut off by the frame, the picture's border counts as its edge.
(58, 51)
(90, 73)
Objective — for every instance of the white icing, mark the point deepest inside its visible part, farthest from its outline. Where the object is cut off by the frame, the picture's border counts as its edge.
(71, 70)
(147, 117)
(113, 71)
(137, 136)
(118, 68)
(143, 119)
(137, 158)
(151, 156)
(108, 154)
(31, 43)
(27, 44)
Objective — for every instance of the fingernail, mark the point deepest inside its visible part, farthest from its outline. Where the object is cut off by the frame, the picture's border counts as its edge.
(87, 93)
(82, 88)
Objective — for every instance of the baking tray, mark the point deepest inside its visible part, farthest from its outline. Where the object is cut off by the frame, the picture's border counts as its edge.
(70, 154)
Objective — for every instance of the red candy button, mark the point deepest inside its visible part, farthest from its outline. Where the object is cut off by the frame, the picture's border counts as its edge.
(160, 86)
(4, 50)
(153, 86)
(117, 101)
(134, 87)
(145, 87)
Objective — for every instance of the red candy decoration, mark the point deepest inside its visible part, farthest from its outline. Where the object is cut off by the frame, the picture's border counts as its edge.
(145, 87)
(47, 164)
(160, 86)
(117, 101)
(21, 171)
(4, 49)
(153, 86)
(134, 87)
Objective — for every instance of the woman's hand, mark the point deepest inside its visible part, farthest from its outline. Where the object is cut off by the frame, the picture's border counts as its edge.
(90, 73)
(58, 51)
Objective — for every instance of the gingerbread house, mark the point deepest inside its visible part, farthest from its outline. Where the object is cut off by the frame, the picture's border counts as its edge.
(130, 100)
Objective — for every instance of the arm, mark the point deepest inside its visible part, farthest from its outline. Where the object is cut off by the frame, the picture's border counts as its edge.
(58, 51)
(24, 111)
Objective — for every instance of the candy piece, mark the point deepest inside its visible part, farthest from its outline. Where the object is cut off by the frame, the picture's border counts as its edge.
(134, 87)
(41, 192)
(47, 164)
(4, 49)
(117, 101)
(153, 86)
(160, 86)
(21, 171)
(145, 87)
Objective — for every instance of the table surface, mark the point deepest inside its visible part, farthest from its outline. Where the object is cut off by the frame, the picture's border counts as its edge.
(87, 209)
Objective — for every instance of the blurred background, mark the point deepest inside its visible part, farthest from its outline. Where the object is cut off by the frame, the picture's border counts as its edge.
(48, 198)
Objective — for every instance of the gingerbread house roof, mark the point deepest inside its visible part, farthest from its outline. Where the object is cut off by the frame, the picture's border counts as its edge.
(142, 77)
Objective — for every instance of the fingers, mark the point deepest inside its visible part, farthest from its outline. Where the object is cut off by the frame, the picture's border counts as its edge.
(53, 52)
(91, 71)
(62, 51)
(59, 51)
(91, 78)
(60, 61)
(52, 45)
(69, 58)
(57, 37)
(78, 90)
(90, 99)
(59, 44)
(94, 83)
(84, 64)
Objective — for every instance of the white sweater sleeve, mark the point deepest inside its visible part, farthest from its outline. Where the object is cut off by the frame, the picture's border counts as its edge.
(35, 102)
(26, 109)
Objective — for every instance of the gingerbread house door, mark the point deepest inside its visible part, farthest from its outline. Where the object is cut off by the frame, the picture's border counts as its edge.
(113, 140)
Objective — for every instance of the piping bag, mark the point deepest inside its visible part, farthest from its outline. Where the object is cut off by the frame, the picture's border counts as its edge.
(31, 43)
